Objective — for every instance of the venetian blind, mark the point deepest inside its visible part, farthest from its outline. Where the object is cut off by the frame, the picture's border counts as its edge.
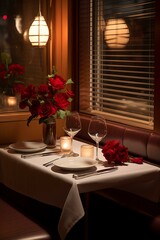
(116, 49)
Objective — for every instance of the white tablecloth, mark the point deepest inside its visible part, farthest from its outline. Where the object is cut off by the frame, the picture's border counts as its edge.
(60, 189)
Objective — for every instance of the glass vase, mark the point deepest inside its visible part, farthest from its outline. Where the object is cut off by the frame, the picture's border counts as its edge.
(49, 132)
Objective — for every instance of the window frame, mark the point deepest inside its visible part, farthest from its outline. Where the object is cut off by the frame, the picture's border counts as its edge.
(157, 72)
(57, 48)
(14, 125)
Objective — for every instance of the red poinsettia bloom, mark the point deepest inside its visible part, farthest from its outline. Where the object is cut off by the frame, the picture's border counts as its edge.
(113, 151)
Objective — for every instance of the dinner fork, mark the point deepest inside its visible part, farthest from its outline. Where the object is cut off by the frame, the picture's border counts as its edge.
(47, 164)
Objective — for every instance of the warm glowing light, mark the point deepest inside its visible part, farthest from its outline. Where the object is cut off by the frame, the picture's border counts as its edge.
(39, 32)
(87, 151)
(25, 35)
(65, 144)
(116, 33)
(4, 17)
(18, 23)
(12, 101)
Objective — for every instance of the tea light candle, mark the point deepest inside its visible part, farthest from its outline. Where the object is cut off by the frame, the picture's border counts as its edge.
(65, 144)
(12, 101)
(87, 151)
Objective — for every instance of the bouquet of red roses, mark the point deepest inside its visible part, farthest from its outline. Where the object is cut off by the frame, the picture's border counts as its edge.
(47, 100)
(11, 75)
(113, 151)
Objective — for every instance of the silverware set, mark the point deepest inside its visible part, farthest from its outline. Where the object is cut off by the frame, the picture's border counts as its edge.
(72, 154)
(47, 164)
(40, 154)
(93, 173)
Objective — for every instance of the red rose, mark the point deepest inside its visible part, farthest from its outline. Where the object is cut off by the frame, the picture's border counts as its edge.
(61, 100)
(70, 94)
(43, 89)
(122, 154)
(114, 152)
(3, 73)
(2, 67)
(16, 69)
(47, 100)
(18, 88)
(28, 92)
(57, 82)
(23, 104)
(138, 160)
(46, 109)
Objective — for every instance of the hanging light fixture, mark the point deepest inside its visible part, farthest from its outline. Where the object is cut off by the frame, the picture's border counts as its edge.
(116, 33)
(38, 31)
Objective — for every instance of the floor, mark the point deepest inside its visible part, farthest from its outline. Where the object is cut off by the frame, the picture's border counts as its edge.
(107, 220)
(104, 220)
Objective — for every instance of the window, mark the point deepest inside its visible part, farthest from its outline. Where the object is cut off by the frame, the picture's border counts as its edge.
(16, 17)
(116, 60)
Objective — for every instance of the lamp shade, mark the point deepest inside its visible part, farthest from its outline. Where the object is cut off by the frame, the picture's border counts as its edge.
(116, 33)
(39, 32)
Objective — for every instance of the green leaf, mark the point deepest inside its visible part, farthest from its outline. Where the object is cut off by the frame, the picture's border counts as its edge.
(50, 75)
(54, 71)
(62, 114)
(68, 112)
(69, 81)
(6, 58)
(69, 99)
(41, 120)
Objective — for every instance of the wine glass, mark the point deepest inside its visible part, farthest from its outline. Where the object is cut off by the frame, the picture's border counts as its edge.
(97, 130)
(72, 125)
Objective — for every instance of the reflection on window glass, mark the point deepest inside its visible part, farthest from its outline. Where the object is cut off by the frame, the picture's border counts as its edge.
(20, 62)
(120, 58)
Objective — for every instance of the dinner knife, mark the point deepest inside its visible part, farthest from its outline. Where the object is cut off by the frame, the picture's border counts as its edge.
(97, 172)
(40, 154)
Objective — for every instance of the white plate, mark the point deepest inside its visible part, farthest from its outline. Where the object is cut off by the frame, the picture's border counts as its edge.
(27, 147)
(74, 163)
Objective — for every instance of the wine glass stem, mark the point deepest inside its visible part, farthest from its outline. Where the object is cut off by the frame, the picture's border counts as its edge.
(97, 146)
(71, 144)
(72, 152)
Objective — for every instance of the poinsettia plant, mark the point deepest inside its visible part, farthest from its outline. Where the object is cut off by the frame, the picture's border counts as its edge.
(11, 75)
(47, 100)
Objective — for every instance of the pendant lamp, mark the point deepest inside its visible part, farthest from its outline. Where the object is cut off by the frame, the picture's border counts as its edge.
(116, 33)
(38, 31)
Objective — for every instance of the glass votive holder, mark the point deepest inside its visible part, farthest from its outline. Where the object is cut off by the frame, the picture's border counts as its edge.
(65, 144)
(87, 151)
(12, 101)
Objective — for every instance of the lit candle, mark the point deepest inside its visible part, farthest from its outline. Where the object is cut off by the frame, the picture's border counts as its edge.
(12, 101)
(65, 144)
(87, 151)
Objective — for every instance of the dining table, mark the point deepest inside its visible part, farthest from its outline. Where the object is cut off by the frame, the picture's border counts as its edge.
(62, 185)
